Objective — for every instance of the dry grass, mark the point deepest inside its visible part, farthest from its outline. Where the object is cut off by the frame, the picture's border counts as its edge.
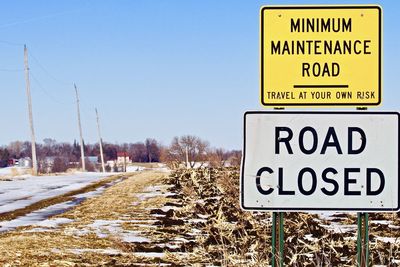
(14, 172)
(77, 244)
(203, 226)
(239, 238)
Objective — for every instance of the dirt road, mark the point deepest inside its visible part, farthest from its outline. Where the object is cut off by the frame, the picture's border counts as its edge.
(128, 225)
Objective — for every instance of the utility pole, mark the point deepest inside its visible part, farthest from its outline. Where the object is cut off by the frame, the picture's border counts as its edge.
(100, 142)
(125, 154)
(80, 129)
(28, 93)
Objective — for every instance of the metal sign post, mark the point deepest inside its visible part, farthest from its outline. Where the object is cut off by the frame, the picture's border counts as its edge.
(362, 234)
(362, 240)
(278, 254)
(277, 234)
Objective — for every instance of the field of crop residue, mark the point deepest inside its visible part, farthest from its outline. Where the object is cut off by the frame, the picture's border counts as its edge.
(186, 218)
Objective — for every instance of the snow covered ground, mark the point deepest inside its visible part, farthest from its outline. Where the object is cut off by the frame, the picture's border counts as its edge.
(22, 191)
(39, 217)
(160, 167)
(134, 168)
(18, 189)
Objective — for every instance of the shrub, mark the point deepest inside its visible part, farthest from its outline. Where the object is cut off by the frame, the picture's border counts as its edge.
(59, 165)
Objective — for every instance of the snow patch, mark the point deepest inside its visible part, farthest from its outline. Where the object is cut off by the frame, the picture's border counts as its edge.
(134, 237)
(391, 240)
(340, 228)
(20, 193)
(108, 251)
(53, 223)
(150, 254)
(39, 217)
(134, 168)
(36, 217)
(153, 191)
(103, 228)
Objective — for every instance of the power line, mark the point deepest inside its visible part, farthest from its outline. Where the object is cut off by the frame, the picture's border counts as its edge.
(39, 84)
(10, 43)
(12, 70)
(46, 71)
(38, 18)
(84, 107)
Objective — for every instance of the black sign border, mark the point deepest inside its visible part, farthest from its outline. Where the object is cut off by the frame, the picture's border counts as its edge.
(321, 7)
(369, 113)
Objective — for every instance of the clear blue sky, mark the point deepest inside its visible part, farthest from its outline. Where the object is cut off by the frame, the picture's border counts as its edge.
(152, 68)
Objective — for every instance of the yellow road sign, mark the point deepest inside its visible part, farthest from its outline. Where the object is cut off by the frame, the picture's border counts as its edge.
(321, 55)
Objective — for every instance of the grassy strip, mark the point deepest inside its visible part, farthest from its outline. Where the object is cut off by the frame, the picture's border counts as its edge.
(11, 215)
(77, 243)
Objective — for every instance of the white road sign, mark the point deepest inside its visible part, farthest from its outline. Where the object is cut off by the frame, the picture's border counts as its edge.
(299, 161)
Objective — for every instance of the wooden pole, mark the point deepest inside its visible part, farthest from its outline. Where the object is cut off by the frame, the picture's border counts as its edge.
(100, 142)
(28, 94)
(125, 154)
(80, 129)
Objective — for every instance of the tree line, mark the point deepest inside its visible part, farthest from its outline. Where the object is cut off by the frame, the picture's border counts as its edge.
(192, 149)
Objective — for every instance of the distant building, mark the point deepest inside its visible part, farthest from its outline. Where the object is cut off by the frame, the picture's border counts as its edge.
(110, 163)
(22, 162)
(25, 162)
(13, 162)
(92, 159)
(123, 158)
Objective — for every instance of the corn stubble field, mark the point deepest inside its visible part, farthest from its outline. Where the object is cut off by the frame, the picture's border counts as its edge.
(190, 217)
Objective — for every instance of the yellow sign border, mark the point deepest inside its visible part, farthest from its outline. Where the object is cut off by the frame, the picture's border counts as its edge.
(305, 104)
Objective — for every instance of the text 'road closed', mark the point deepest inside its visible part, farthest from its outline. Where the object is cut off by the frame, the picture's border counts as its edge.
(320, 161)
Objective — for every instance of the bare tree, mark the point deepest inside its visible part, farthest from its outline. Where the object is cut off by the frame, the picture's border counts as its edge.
(218, 157)
(59, 165)
(195, 147)
(137, 152)
(152, 150)
(15, 149)
(235, 158)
